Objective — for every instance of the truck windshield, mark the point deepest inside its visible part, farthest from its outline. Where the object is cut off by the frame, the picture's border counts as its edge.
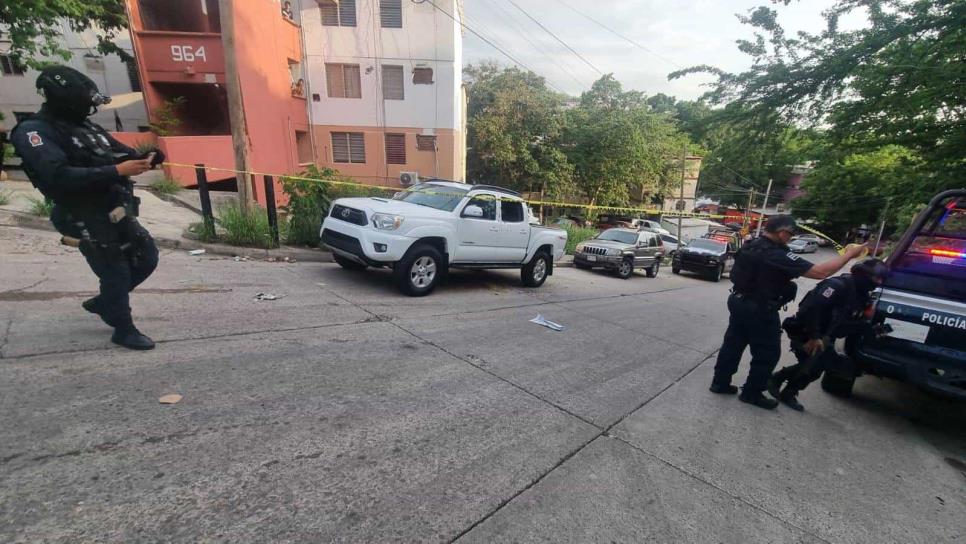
(935, 262)
(439, 197)
(621, 236)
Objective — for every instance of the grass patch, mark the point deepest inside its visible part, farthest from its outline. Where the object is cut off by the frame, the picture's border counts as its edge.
(249, 229)
(40, 206)
(166, 186)
(576, 234)
(5, 197)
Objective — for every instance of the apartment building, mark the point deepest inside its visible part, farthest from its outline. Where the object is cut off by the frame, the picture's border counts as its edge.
(370, 87)
(18, 91)
(385, 85)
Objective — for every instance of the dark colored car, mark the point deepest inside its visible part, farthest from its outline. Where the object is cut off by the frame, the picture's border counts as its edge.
(622, 250)
(710, 257)
(923, 302)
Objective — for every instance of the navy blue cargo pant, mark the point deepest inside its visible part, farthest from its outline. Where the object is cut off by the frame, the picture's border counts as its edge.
(754, 325)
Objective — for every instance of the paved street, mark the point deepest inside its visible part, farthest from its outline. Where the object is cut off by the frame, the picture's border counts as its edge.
(346, 412)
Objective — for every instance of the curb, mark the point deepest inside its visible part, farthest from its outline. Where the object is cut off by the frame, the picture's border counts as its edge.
(25, 220)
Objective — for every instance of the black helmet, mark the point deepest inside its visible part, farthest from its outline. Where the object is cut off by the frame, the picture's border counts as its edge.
(873, 270)
(69, 93)
(777, 223)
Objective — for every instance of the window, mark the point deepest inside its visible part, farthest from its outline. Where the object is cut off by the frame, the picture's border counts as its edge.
(425, 143)
(423, 76)
(341, 13)
(512, 211)
(390, 11)
(652, 241)
(132, 75)
(396, 148)
(343, 80)
(392, 82)
(348, 147)
(11, 67)
(487, 203)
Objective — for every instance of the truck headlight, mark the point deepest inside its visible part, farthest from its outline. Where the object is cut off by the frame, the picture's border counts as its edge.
(579, 248)
(613, 252)
(385, 221)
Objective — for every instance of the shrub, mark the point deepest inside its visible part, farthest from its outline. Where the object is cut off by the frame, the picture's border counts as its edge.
(576, 234)
(249, 228)
(5, 197)
(167, 116)
(143, 146)
(40, 206)
(166, 186)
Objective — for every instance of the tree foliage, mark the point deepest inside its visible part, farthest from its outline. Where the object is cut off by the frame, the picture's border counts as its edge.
(34, 27)
(888, 97)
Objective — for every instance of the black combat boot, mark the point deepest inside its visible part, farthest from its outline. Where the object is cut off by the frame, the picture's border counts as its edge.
(93, 306)
(758, 400)
(723, 388)
(130, 337)
(778, 379)
(790, 399)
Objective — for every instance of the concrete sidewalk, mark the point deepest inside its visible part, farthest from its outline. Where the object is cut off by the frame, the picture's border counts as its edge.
(167, 221)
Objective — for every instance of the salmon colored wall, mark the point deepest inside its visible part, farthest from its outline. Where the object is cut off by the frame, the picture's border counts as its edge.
(443, 163)
(134, 139)
(213, 151)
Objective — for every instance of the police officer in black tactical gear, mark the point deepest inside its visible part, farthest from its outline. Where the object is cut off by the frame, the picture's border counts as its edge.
(85, 172)
(762, 277)
(833, 309)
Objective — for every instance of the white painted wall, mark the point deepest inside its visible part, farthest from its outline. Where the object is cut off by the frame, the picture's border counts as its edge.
(428, 38)
(19, 93)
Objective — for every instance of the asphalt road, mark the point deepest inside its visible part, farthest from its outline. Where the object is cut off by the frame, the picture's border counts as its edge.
(346, 412)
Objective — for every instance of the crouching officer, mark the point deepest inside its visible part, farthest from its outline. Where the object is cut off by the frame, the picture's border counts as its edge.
(834, 309)
(85, 172)
(762, 277)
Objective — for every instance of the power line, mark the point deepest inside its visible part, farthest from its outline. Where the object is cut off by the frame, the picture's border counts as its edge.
(547, 30)
(491, 44)
(618, 34)
(520, 29)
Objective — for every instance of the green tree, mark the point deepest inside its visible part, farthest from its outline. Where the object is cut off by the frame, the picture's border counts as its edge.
(619, 148)
(34, 27)
(897, 81)
(514, 124)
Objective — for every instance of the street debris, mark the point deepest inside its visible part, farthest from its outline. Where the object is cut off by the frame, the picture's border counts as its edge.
(195, 252)
(173, 398)
(268, 296)
(544, 322)
(240, 259)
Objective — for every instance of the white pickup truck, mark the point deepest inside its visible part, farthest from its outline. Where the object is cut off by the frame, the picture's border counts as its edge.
(429, 228)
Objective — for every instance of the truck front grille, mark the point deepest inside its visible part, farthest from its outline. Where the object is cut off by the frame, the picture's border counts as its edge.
(349, 215)
(595, 250)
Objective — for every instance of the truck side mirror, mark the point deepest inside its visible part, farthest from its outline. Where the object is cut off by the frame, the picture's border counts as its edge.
(472, 211)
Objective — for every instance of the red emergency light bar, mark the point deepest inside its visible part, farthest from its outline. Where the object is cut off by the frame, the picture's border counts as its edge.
(947, 253)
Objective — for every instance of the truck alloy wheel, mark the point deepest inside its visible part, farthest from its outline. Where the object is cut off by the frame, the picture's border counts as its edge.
(534, 273)
(418, 273)
(625, 269)
(423, 272)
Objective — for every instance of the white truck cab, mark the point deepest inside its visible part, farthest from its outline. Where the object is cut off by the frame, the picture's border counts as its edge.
(431, 227)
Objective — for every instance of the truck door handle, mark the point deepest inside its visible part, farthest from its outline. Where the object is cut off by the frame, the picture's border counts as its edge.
(523, 232)
(495, 229)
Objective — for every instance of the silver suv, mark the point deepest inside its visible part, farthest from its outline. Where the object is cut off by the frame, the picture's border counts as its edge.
(622, 250)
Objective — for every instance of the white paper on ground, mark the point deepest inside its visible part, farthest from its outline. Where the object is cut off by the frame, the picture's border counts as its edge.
(542, 321)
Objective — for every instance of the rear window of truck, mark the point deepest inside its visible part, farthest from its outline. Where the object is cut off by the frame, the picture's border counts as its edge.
(935, 262)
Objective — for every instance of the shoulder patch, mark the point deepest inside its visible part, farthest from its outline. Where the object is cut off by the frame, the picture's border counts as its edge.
(829, 291)
(34, 138)
(793, 256)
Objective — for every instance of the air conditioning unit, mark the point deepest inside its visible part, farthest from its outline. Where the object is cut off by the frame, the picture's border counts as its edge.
(408, 178)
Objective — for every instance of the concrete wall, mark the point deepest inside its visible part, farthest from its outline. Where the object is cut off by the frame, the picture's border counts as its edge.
(19, 93)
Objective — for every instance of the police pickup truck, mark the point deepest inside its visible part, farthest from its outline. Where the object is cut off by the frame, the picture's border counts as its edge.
(921, 306)
(712, 256)
(429, 228)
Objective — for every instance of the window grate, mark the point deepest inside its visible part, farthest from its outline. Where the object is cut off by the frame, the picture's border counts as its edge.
(396, 148)
(390, 12)
(425, 143)
(341, 13)
(392, 82)
(423, 76)
(348, 147)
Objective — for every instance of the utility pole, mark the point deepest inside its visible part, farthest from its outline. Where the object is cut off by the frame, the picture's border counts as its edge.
(878, 239)
(751, 196)
(236, 109)
(763, 208)
(684, 159)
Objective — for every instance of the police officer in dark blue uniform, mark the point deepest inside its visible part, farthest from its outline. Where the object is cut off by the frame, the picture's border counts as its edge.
(833, 309)
(762, 277)
(85, 172)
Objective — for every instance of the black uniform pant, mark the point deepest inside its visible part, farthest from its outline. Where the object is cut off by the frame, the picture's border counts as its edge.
(119, 270)
(751, 324)
(807, 370)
